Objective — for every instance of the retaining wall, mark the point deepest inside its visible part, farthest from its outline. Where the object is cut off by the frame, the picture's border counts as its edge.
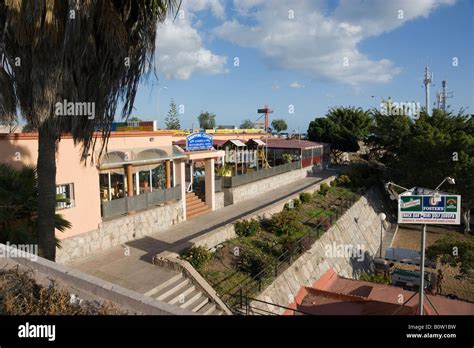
(121, 230)
(359, 227)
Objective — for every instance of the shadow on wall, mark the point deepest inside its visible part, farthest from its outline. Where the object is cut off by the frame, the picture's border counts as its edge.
(361, 264)
(15, 155)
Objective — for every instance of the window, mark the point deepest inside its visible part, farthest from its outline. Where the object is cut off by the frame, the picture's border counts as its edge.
(65, 196)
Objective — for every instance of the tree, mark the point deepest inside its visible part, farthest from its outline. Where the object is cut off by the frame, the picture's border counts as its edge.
(342, 127)
(435, 147)
(172, 119)
(134, 119)
(279, 125)
(247, 124)
(207, 120)
(96, 57)
(19, 203)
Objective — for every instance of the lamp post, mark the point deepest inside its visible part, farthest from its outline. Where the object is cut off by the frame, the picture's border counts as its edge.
(159, 90)
(382, 218)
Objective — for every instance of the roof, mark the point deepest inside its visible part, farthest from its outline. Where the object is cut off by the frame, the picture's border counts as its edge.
(257, 141)
(236, 142)
(332, 295)
(276, 143)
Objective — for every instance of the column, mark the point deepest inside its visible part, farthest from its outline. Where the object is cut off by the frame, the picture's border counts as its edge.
(168, 174)
(129, 175)
(180, 169)
(210, 184)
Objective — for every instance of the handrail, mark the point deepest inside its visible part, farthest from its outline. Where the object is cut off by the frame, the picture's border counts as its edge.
(247, 302)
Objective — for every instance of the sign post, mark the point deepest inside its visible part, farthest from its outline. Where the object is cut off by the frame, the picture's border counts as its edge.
(437, 208)
(198, 142)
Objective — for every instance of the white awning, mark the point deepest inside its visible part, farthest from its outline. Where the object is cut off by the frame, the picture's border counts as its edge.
(237, 143)
(258, 142)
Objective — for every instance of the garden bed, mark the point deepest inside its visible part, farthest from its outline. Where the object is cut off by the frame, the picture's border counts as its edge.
(265, 248)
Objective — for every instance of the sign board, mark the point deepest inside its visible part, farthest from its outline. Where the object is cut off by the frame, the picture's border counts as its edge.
(134, 126)
(198, 141)
(443, 209)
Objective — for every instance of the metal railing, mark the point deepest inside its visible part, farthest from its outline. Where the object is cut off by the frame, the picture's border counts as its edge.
(236, 296)
(144, 201)
(260, 174)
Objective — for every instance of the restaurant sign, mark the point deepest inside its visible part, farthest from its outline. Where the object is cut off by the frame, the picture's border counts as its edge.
(434, 209)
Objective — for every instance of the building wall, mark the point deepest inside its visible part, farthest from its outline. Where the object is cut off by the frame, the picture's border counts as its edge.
(85, 215)
(119, 231)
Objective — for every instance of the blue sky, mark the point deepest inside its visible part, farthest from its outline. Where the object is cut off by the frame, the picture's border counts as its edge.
(292, 53)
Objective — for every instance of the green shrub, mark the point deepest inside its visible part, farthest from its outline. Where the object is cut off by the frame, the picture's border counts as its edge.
(197, 256)
(253, 261)
(296, 202)
(333, 183)
(305, 197)
(284, 223)
(323, 189)
(343, 180)
(247, 228)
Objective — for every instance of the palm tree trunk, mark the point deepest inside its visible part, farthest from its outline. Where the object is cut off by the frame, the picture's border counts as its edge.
(46, 194)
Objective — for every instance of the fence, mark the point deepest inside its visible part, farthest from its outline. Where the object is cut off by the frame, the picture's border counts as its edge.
(238, 180)
(144, 201)
(237, 297)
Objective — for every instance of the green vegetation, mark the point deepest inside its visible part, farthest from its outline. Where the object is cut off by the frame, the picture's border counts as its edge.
(373, 278)
(207, 120)
(247, 124)
(267, 247)
(19, 204)
(305, 197)
(197, 256)
(279, 125)
(172, 119)
(324, 189)
(342, 127)
(247, 228)
(455, 250)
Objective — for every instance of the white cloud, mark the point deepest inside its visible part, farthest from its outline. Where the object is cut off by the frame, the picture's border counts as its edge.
(180, 50)
(320, 43)
(296, 85)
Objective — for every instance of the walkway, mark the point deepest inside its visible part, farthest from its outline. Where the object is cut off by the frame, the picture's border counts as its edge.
(130, 265)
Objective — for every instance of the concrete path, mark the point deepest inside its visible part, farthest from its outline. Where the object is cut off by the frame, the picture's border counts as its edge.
(130, 265)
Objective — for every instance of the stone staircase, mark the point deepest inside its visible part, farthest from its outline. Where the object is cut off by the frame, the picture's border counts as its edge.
(179, 291)
(195, 206)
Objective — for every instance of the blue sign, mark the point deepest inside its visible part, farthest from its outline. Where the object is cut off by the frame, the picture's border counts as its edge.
(433, 203)
(198, 141)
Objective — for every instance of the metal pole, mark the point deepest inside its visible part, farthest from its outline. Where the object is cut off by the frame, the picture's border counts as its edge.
(422, 270)
(381, 234)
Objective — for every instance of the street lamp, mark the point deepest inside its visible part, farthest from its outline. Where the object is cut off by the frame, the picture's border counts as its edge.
(449, 180)
(159, 90)
(382, 218)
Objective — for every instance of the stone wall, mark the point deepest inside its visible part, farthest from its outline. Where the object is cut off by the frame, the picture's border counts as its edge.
(244, 192)
(118, 231)
(219, 200)
(358, 228)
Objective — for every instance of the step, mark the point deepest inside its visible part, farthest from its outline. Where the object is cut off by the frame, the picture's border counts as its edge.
(176, 297)
(207, 309)
(198, 304)
(194, 204)
(195, 295)
(192, 198)
(197, 209)
(171, 280)
(193, 215)
(217, 312)
(172, 288)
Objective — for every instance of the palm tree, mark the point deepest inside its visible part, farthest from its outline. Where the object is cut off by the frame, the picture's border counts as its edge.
(81, 51)
(18, 206)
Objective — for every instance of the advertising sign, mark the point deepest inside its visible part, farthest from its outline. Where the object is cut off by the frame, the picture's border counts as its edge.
(439, 209)
(134, 126)
(198, 141)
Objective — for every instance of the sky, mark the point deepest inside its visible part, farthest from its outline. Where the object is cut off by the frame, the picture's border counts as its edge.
(302, 57)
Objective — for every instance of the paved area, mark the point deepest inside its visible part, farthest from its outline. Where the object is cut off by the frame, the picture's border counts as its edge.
(130, 265)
